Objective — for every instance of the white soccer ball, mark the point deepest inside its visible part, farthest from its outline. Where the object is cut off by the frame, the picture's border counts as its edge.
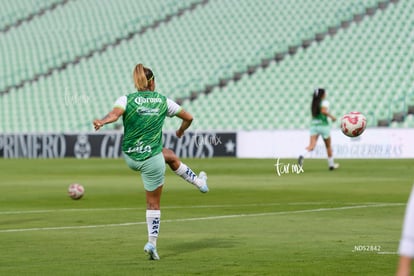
(76, 191)
(353, 124)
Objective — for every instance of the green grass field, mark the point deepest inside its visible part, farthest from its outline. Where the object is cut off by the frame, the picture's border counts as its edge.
(252, 222)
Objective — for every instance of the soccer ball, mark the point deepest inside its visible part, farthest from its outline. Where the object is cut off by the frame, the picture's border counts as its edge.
(76, 191)
(353, 124)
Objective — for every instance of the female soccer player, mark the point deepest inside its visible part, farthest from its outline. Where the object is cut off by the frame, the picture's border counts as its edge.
(143, 113)
(320, 126)
(406, 249)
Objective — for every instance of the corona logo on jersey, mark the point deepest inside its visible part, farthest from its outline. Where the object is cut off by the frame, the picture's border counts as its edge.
(142, 100)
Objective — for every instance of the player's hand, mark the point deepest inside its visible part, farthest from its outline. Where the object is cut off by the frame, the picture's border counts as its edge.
(97, 124)
(333, 118)
(179, 133)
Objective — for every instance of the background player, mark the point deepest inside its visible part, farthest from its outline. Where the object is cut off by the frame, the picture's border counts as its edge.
(320, 126)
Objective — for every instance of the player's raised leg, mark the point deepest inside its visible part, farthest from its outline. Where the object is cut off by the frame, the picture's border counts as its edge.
(181, 169)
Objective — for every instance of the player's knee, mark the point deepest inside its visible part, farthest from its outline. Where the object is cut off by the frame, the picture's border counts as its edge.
(168, 155)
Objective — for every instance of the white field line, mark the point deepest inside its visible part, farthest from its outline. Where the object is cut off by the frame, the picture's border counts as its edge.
(22, 212)
(206, 218)
(387, 253)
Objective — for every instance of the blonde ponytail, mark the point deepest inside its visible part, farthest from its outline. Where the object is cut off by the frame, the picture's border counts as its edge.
(140, 80)
(142, 77)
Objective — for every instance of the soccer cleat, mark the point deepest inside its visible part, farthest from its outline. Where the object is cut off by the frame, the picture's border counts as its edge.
(300, 160)
(334, 167)
(203, 188)
(151, 251)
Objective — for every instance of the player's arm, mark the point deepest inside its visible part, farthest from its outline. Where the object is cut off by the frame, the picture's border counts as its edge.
(175, 109)
(111, 117)
(187, 120)
(117, 111)
(324, 111)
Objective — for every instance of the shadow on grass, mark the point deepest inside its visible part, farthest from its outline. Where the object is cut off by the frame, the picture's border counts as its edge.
(193, 246)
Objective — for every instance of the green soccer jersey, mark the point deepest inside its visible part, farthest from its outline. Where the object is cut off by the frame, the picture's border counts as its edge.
(321, 119)
(143, 119)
